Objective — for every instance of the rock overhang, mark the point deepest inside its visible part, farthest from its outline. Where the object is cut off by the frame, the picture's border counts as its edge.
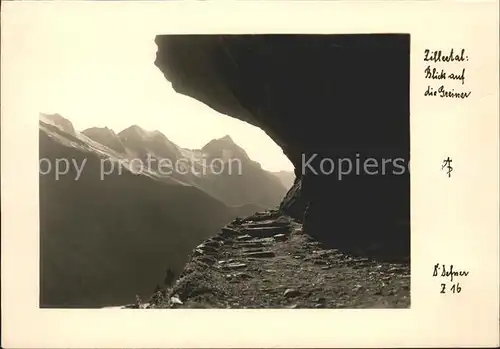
(318, 92)
(330, 95)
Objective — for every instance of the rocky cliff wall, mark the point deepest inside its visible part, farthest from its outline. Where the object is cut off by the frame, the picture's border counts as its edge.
(325, 97)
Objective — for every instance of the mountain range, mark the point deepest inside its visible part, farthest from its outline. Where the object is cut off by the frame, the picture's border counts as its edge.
(110, 225)
(287, 178)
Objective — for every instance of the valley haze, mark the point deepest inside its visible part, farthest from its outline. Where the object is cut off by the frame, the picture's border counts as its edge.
(109, 235)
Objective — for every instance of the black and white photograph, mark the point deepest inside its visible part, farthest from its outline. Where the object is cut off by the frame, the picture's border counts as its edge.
(226, 171)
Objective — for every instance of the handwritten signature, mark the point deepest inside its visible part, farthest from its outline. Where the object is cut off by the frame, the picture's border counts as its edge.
(443, 271)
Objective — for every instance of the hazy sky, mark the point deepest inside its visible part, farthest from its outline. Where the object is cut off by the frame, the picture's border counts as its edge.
(108, 78)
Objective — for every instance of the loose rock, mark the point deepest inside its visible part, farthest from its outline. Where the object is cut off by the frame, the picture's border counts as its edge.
(320, 261)
(243, 275)
(175, 300)
(279, 237)
(244, 237)
(228, 232)
(260, 254)
(290, 292)
(265, 231)
(235, 265)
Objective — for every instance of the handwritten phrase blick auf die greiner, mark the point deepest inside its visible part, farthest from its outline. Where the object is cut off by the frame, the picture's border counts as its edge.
(457, 75)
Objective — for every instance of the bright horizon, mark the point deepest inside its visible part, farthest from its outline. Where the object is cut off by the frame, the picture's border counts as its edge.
(101, 78)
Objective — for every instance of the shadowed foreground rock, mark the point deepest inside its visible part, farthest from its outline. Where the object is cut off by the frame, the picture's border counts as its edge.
(238, 269)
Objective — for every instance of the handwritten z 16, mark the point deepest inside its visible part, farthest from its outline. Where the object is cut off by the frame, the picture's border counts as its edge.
(455, 288)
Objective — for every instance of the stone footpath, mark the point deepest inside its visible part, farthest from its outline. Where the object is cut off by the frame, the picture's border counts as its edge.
(266, 261)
